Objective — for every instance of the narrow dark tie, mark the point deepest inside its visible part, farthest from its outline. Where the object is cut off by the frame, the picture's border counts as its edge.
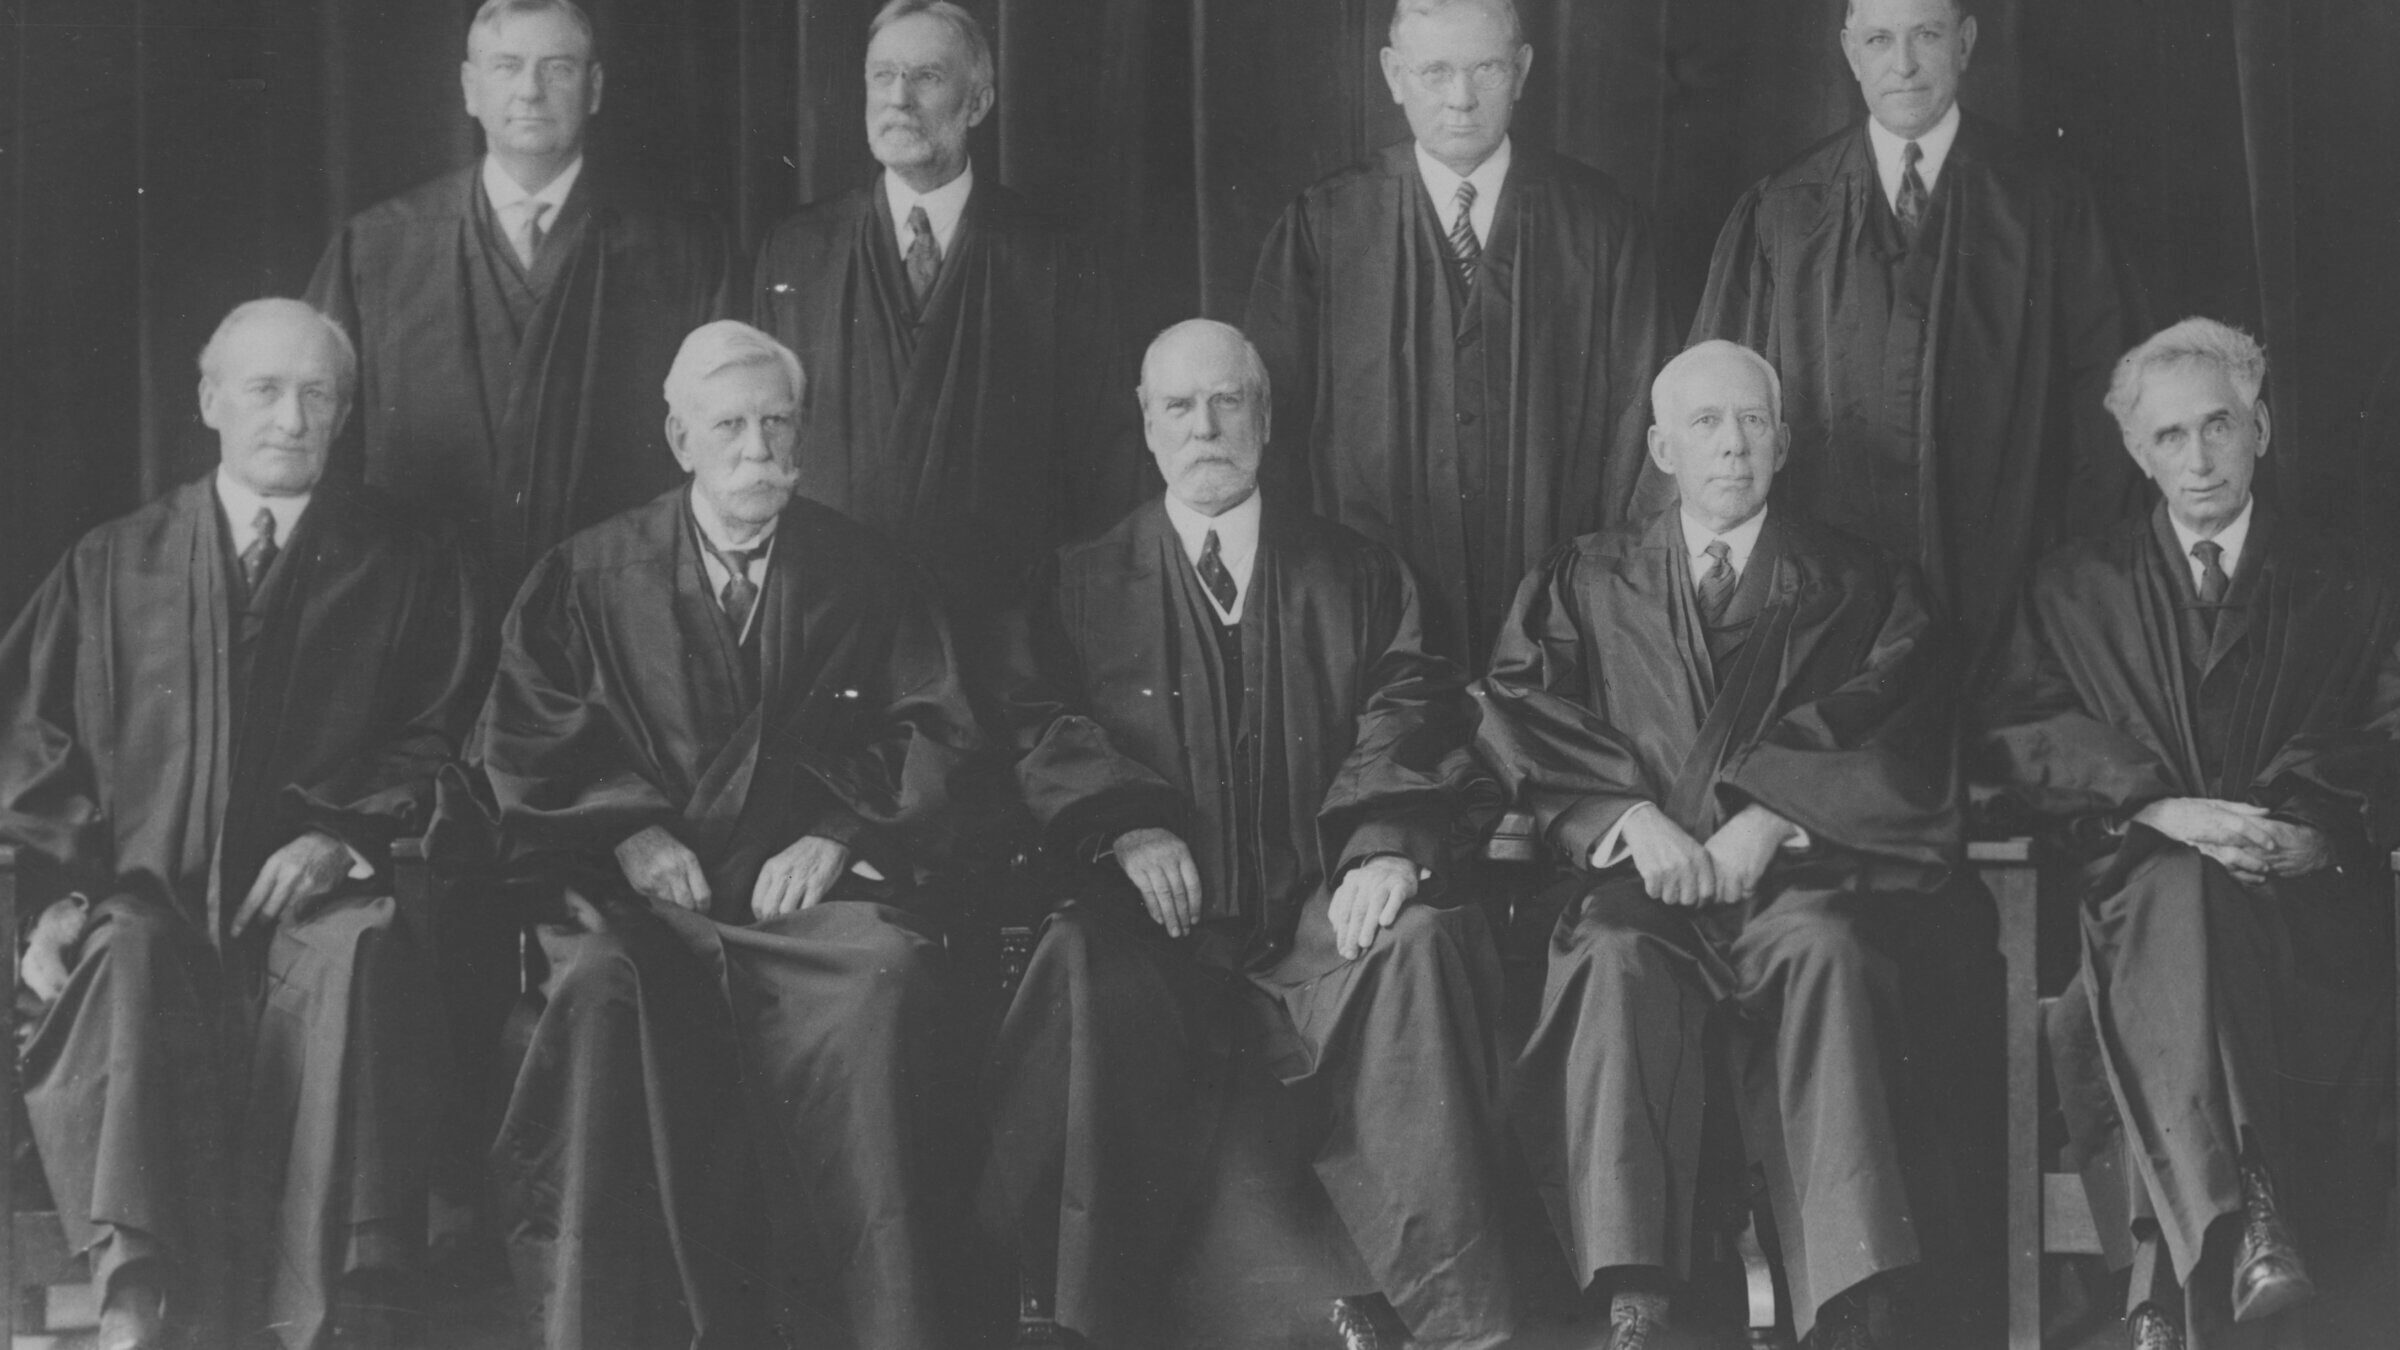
(1913, 198)
(924, 256)
(1213, 574)
(1716, 584)
(2213, 581)
(260, 556)
(1463, 244)
(739, 592)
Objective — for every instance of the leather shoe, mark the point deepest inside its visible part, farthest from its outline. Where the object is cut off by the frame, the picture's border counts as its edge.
(1632, 1315)
(2149, 1328)
(134, 1318)
(2268, 1275)
(1364, 1322)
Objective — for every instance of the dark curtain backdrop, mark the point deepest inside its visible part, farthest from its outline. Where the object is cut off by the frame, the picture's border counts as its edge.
(164, 159)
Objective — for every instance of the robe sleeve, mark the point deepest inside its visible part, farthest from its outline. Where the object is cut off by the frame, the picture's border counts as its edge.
(49, 794)
(1083, 791)
(1282, 322)
(2346, 781)
(1870, 766)
(1558, 758)
(2033, 735)
(435, 673)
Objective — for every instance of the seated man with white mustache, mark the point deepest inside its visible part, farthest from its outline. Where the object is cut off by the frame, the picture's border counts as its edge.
(718, 721)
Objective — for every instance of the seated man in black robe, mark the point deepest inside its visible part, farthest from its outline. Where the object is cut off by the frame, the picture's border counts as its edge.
(215, 717)
(1461, 330)
(718, 719)
(1236, 740)
(2206, 699)
(1733, 722)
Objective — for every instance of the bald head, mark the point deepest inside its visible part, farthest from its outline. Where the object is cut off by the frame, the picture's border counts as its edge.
(275, 382)
(1717, 430)
(1205, 413)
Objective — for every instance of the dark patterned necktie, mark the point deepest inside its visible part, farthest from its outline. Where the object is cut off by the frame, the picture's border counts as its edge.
(1716, 584)
(261, 554)
(739, 592)
(924, 255)
(1463, 243)
(1913, 198)
(2212, 576)
(1213, 574)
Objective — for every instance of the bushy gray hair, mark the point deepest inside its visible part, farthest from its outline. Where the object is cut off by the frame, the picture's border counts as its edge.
(2193, 342)
(1674, 369)
(725, 345)
(493, 11)
(1506, 9)
(212, 355)
(1256, 381)
(981, 69)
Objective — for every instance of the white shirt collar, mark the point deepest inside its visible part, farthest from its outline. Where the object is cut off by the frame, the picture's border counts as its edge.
(1441, 184)
(1935, 145)
(505, 192)
(240, 506)
(943, 206)
(2230, 539)
(1237, 544)
(1739, 541)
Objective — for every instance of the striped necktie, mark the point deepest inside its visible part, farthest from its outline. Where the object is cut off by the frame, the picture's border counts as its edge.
(1913, 199)
(1216, 576)
(1716, 584)
(924, 255)
(1463, 244)
(262, 552)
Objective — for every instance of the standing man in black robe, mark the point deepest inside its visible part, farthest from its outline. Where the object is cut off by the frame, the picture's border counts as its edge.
(1944, 307)
(215, 717)
(964, 370)
(1255, 772)
(2206, 699)
(1461, 330)
(1732, 724)
(512, 317)
(719, 721)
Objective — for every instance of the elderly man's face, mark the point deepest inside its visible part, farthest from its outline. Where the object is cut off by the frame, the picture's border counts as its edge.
(1717, 434)
(2197, 438)
(1205, 419)
(274, 398)
(531, 81)
(1908, 56)
(1457, 76)
(735, 437)
(921, 100)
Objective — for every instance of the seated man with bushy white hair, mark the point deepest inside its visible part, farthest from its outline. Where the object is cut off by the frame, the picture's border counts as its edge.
(721, 722)
(2205, 700)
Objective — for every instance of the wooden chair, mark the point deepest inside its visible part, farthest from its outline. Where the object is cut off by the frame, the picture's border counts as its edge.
(43, 1284)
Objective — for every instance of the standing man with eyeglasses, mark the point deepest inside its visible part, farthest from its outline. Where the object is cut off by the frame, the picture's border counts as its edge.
(1462, 330)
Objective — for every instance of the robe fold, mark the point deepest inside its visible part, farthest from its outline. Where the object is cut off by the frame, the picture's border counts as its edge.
(566, 425)
(167, 732)
(1826, 703)
(1944, 399)
(986, 431)
(2208, 995)
(687, 1058)
(1334, 737)
(1472, 429)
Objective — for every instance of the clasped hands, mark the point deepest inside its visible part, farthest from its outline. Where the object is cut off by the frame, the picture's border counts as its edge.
(661, 868)
(1679, 870)
(1368, 900)
(2242, 838)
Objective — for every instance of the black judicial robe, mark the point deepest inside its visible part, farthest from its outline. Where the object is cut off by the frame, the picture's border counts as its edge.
(678, 1044)
(2108, 696)
(1472, 430)
(528, 405)
(165, 733)
(1945, 400)
(982, 434)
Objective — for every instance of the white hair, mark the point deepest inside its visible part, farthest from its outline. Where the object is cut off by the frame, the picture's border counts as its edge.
(1505, 9)
(725, 345)
(1675, 368)
(1256, 377)
(962, 25)
(212, 355)
(493, 11)
(2193, 342)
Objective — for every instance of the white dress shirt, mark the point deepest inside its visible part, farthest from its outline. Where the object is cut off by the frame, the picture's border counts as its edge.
(240, 506)
(943, 207)
(1935, 145)
(2230, 539)
(505, 192)
(705, 517)
(1237, 544)
(1442, 185)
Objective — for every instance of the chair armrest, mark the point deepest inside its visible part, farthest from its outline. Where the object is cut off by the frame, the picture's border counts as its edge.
(1516, 837)
(412, 887)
